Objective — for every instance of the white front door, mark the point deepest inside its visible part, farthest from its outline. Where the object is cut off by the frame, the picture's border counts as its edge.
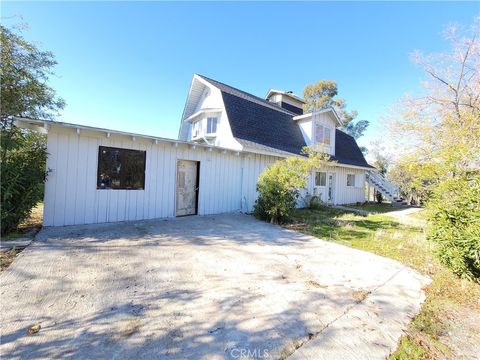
(187, 187)
(331, 188)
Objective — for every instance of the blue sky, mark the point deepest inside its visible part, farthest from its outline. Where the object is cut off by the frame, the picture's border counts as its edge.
(128, 65)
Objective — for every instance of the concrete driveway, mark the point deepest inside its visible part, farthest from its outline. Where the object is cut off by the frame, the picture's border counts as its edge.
(210, 287)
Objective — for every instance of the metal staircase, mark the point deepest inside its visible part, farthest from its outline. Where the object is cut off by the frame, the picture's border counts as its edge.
(382, 185)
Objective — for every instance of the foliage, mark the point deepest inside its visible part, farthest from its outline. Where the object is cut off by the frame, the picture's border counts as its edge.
(380, 161)
(279, 185)
(455, 225)
(443, 127)
(313, 202)
(23, 157)
(379, 197)
(25, 71)
(322, 95)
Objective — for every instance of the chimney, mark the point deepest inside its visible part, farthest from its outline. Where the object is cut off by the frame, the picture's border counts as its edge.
(287, 100)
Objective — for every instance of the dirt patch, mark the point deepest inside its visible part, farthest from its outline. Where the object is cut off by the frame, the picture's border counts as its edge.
(360, 295)
(315, 284)
(7, 257)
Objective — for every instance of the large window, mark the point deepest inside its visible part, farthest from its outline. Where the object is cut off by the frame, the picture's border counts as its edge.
(322, 134)
(120, 168)
(350, 179)
(320, 179)
(211, 125)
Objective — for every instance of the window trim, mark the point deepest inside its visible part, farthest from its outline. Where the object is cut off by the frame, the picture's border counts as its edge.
(216, 125)
(124, 149)
(315, 179)
(353, 175)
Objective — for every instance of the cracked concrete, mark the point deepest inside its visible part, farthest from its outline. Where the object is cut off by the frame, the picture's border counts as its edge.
(209, 287)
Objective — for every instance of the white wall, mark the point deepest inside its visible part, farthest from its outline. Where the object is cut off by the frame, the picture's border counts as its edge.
(308, 129)
(343, 194)
(227, 180)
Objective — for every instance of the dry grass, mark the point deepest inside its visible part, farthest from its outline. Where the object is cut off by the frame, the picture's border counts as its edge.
(7, 257)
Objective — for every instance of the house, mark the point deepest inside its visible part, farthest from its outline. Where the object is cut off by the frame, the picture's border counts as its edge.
(227, 137)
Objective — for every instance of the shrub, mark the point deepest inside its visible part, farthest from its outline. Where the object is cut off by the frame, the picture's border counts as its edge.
(379, 197)
(279, 186)
(315, 202)
(454, 224)
(23, 158)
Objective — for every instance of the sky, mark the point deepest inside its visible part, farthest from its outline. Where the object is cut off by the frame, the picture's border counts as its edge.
(128, 65)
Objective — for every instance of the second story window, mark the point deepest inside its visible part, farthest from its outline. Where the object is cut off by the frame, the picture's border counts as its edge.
(211, 125)
(322, 134)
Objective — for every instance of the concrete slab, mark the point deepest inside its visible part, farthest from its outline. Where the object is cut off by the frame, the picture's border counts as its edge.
(212, 287)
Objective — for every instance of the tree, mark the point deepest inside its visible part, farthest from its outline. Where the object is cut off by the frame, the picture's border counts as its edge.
(322, 95)
(279, 185)
(439, 131)
(24, 71)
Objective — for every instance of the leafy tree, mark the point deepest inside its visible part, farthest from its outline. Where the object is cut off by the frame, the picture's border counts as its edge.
(322, 95)
(440, 133)
(24, 71)
(279, 185)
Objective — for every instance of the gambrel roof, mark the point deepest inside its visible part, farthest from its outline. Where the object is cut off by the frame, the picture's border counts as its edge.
(258, 121)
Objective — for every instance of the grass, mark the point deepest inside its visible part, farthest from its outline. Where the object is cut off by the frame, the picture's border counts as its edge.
(375, 207)
(427, 335)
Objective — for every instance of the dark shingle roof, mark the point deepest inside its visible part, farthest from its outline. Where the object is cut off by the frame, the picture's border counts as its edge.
(347, 150)
(260, 121)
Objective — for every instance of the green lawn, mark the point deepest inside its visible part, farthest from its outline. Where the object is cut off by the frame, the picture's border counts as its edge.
(375, 207)
(447, 296)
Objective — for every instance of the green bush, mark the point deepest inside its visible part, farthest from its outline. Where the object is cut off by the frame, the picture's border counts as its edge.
(454, 224)
(279, 185)
(23, 174)
(379, 197)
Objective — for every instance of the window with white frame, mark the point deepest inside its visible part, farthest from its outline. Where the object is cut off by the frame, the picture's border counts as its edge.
(350, 179)
(320, 178)
(196, 128)
(322, 134)
(212, 125)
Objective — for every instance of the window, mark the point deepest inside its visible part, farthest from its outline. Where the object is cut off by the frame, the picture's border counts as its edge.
(322, 134)
(120, 168)
(320, 179)
(211, 125)
(350, 179)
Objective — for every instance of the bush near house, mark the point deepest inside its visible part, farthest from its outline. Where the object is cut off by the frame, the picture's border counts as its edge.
(279, 185)
(23, 158)
(454, 224)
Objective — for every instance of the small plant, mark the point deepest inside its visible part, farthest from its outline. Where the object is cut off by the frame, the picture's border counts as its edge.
(379, 197)
(315, 202)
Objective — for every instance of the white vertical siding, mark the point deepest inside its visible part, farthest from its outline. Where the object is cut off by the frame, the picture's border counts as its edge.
(227, 180)
(72, 197)
(343, 194)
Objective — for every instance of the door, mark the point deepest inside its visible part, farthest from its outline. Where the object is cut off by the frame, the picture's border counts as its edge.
(331, 188)
(187, 187)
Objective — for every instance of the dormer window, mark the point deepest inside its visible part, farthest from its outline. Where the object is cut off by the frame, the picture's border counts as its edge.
(322, 134)
(212, 125)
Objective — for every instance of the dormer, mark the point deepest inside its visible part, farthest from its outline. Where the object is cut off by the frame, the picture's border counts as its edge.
(287, 100)
(318, 129)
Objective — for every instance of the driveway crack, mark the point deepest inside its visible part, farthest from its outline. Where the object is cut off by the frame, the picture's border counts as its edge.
(286, 353)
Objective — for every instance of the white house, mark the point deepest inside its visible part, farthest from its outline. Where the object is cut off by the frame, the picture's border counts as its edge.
(227, 137)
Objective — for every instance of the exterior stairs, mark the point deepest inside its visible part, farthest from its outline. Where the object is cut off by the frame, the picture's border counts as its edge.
(382, 185)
